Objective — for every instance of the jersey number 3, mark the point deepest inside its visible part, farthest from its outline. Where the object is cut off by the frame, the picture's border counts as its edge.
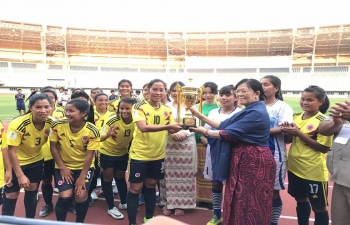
(38, 141)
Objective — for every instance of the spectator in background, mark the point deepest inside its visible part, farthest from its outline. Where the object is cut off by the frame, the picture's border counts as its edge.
(138, 93)
(112, 96)
(338, 161)
(59, 95)
(32, 92)
(19, 97)
(145, 92)
(65, 97)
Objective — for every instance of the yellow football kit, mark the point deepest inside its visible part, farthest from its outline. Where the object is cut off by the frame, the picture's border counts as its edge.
(117, 145)
(100, 120)
(149, 146)
(29, 140)
(73, 146)
(2, 170)
(303, 160)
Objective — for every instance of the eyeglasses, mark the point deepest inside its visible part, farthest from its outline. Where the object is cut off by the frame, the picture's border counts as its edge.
(241, 91)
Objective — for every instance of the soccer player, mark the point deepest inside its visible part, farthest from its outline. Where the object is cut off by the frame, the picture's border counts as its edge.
(116, 136)
(146, 166)
(49, 163)
(125, 91)
(25, 137)
(73, 143)
(279, 113)
(19, 97)
(307, 171)
(101, 115)
(2, 171)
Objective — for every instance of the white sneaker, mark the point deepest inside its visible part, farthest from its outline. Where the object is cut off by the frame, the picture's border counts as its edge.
(123, 206)
(98, 182)
(94, 195)
(113, 182)
(37, 196)
(115, 190)
(115, 213)
(55, 190)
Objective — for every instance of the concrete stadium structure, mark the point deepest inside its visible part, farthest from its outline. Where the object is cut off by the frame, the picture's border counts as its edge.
(38, 55)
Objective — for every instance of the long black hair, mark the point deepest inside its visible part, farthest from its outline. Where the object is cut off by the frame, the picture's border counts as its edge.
(226, 90)
(38, 97)
(82, 106)
(320, 94)
(276, 82)
(83, 94)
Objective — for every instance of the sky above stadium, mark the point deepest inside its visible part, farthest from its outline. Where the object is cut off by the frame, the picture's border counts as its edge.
(178, 15)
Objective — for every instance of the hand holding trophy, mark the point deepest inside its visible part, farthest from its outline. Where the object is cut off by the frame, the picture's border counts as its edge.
(188, 96)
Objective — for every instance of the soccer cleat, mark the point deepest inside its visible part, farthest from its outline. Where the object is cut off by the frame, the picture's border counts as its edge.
(46, 210)
(141, 200)
(115, 213)
(115, 190)
(215, 221)
(55, 190)
(94, 195)
(113, 182)
(123, 206)
(145, 219)
(98, 182)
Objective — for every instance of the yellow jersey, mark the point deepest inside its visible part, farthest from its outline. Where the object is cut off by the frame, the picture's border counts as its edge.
(149, 146)
(73, 146)
(118, 145)
(23, 134)
(113, 105)
(304, 161)
(2, 169)
(100, 120)
(56, 115)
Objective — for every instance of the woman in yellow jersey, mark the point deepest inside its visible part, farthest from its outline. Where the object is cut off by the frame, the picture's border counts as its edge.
(307, 171)
(125, 91)
(25, 137)
(2, 169)
(152, 121)
(116, 136)
(49, 164)
(73, 143)
(101, 115)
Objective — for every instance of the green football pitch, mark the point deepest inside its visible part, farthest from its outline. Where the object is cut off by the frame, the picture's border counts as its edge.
(8, 106)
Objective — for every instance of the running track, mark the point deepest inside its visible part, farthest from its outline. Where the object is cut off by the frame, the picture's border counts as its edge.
(97, 214)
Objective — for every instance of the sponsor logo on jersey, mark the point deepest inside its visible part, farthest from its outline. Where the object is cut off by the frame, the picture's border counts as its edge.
(314, 196)
(62, 135)
(27, 134)
(147, 114)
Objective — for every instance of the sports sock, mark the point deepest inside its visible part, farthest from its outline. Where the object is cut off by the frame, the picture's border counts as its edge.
(133, 204)
(321, 218)
(47, 193)
(81, 209)
(150, 201)
(122, 188)
(217, 201)
(8, 207)
(276, 210)
(30, 203)
(62, 207)
(303, 212)
(108, 193)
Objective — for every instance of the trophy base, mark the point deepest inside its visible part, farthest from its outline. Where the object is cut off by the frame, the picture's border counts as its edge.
(188, 123)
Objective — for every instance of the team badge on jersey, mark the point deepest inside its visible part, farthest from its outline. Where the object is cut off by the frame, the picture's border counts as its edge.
(85, 139)
(310, 127)
(166, 113)
(47, 132)
(60, 182)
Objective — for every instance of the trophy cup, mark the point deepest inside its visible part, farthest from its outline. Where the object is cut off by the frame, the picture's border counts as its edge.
(188, 95)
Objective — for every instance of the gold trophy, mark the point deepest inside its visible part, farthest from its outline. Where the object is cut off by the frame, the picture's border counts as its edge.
(188, 95)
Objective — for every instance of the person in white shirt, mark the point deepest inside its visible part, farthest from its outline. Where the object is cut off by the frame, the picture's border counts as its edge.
(65, 98)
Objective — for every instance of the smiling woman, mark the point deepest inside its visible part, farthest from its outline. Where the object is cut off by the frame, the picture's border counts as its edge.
(26, 135)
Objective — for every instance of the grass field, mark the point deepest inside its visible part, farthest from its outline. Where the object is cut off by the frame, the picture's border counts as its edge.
(8, 106)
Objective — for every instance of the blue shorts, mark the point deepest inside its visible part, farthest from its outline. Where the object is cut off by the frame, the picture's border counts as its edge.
(21, 106)
(63, 186)
(139, 170)
(33, 171)
(117, 162)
